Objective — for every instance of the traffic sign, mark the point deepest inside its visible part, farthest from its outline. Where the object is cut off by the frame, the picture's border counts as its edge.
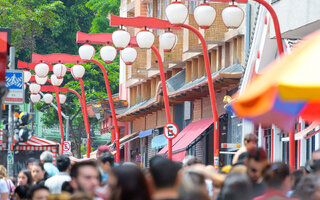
(170, 130)
(15, 87)
(67, 146)
(10, 158)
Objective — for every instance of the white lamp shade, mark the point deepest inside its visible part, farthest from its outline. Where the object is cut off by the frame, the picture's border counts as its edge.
(41, 81)
(121, 39)
(108, 53)
(26, 76)
(41, 69)
(59, 70)
(128, 55)
(48, 98)
(145, 39)
(55, 81)
(177, 13)
(167, 41)
(205, 15)
(232, 16)
(77, 71)
(34, 88)
(62, 98)
(35, 98)
(86, 52)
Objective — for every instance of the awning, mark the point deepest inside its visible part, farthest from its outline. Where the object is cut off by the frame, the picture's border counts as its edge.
(179, 156)
(188, 135)
(145, 133)
(158, 142)
(305, 133)
(124, 140)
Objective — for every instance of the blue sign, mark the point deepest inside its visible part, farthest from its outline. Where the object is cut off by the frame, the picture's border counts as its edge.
(14, 80)
(15, 87)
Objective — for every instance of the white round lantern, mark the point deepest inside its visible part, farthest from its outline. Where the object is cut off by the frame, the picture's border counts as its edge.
(48, 98)
(108, 53)
(145, 39)
(177, 13)
(121, 39)
(34, 88)
(41, 69)
(167, 41)
(26, 76)
(128, 55)
(77, 71)
(59, 70)
(56, 81)
(232, 16)
(41, 81)
(62, 98)
(86, 52)
(205, 15)
(35, 98)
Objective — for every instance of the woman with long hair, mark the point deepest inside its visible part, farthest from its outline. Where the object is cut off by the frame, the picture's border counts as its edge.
(4, 186)
(38, 173)
(25, 178)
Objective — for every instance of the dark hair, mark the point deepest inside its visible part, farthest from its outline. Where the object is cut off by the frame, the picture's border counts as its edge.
(39, 164)
(28, 175)
(75, 168)
(306, 187)
(296, 176)
(251, 137)
(36, 188)
(274, 174)
(106, 157)
(31, 160)
(22, 191)
(66, 187)
(258, 154)
(131, 184)
(236, 187)
(63, 162)
(164, 171)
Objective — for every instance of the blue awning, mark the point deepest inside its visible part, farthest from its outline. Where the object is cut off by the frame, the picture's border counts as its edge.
(145, 133)
(159, 141)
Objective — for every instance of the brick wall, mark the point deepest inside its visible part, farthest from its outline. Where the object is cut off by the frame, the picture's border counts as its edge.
(197, 109)
(151, 121)
(138, 124)
(206, 108)
(162, 119)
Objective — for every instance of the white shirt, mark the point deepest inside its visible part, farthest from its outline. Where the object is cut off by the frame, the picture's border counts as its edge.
(4, 187)
(55, 182)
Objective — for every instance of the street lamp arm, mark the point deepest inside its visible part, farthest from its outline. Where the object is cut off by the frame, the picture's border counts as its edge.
(56, 58)
(100, 38)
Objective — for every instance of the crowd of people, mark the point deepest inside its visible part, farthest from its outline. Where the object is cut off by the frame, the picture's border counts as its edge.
(250, 177)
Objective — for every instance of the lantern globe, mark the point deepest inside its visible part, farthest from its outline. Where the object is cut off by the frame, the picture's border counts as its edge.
(41, 70)
(145, 39)
(62, 98)
(205, 15)
(35, 98)
(232, 16)
(167, 41)
(108, 53)
(41, 80)
(128, 55)
(77, 71)
(59, 70)
(177, 13)
(48, 98)
(34, 88)
(121, 38)
(55, 81)
(26, 76)
(86, 52)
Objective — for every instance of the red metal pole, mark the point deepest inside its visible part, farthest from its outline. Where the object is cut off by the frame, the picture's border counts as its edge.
(292, 150)
(113, 113)
(211, 92)
(85, 118)
(299, 148)
(165, 96)
(60, 117)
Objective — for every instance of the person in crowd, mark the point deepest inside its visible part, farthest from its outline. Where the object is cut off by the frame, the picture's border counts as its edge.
(25, 178)
(55, 182)
(295, 178)
(164, 173)
(277, 180)
(190, 160)
(21, 192)
(8, 183)
(38, 174)
(127, 182)
(106, 161)
(250, 141)
(4, 187)
(85, 177)
(30, 162)
(308, 188)
(103, 149)
(39, 192)
(236, 187)
(46, 159)
(256, 162)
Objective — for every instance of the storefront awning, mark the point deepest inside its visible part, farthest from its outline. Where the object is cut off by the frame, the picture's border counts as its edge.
(145, 133)
(305, 133)
(158, 142)
(188, 135)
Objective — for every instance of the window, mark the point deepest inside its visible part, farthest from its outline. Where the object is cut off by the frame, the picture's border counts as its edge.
(150, 9)
(192, 6)
(165, 4)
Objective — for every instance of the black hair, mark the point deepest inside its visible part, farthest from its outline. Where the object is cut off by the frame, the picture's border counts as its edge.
(257, 154)
(296, 176)
(236, 187)
(31, 160)
(63, 162)
(36, 188)
(106, 157)
(75, 168)
(275, 174)
(306, 187)
(164, 172)
(22, 191)
(28, 175)
(66, 187)
(39, 164)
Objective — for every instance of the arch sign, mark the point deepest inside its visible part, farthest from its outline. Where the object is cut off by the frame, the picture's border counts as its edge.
(170, 130)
